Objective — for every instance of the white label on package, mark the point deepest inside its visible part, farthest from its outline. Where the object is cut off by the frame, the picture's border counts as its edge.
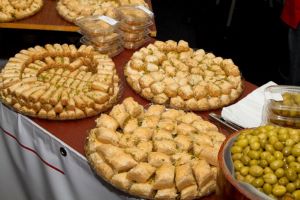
(274, 96)
(108, 20)
(146, 10)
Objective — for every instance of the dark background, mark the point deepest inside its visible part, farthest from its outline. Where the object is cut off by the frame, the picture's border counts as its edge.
(256, 40)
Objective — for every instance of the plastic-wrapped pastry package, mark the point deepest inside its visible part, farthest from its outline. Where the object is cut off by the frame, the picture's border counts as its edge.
(18, 9)
(173, 74)
(134, 25)
(70, 10)
(59, 82)
(156, 153)
(102, 32)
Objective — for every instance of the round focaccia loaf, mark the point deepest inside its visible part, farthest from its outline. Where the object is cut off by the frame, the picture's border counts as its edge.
(59, 82)
(156, 153)
(172, 73)
(12, 10)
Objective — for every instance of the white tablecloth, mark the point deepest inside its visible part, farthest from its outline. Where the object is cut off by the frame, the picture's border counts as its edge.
(32, 167)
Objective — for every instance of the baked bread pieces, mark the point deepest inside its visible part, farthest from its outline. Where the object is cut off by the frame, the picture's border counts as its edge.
(59, 82)
(172, 73)
(156, 153)
(11, 10)
(70, 10)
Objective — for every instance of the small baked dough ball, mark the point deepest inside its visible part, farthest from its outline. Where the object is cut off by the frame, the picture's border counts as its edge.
(151, 59)
(177, 102)
(185, 129)
(172, 114)
(119, 114)
(157, 76)
(164, 177)
(225, 99)
(171, 45)
(131, 125)
(162, 134)
(160, 98)
(147, 93)
(202, 172)
(151, 67)
(150, 121)
(142, 133)
(190, 192)
(155, 110)
(214, 102)
(166, 124)
(214, 90)
(184, 177)
(137, 64)
(141, 172)
(165, 146)
(185, 92)
(100, 166)
(183, 142)
(192, 104)
(200, 91)
(146, 81)
(203, 104)
(189, 117)
(157, 87)
(156, 159)
(182, 46)
(106, 135)
(107, 121)
(204, 126)
(169, 193)
(142, 189)
(132, 107)
(171, 90)
(121, 181)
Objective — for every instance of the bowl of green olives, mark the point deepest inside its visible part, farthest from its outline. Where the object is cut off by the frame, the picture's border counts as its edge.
(282, 106)
(260, 163)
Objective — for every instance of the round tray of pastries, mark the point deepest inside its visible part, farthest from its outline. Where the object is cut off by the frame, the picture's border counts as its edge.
(11, 10)
(156, 153)
(59, 82)
(70, 10)
(172, 73)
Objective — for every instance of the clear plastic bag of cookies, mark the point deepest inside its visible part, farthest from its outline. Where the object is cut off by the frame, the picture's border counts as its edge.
(135, 15)
(112, 52)
(133, 37)
(99, 25)
(99, 42)
(134, 28)
(136, 44)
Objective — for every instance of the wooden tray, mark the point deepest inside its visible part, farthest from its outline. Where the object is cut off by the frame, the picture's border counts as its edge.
(49, 19)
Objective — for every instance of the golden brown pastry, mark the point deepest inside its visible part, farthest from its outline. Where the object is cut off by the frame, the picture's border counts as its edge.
(61, 82)
(172, 73)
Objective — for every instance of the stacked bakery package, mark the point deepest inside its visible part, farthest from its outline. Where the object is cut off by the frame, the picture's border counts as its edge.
(101, 32)
(11, 10)
(155, 153)
(59, 82)
(134, 25)
(174, 74)
(70, 10)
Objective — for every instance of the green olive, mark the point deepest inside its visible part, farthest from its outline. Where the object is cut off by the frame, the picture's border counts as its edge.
(279, 172)
(289, 142)
(267, 188)
(298, 159)
(236, 149)
(282, 137)
(291, 174)
(295, 166)
(290, 159)
(258, 182)
(290, 187)
(238, 165)
(253, 162)
(278, 146)
(276, 164)
(264, 155)
(242, 143)
(279, 190)
(278, 155)
(270, 159)
(295, 151)
(296, 195)
(283, 181)
(244, 171)
(263, 163)
(273, 139)
(240, 177)
(256, 170)
(249, 178)
(270, 178)
(255, 146)
(268, 170)
(283, 131)
(246, 150)
(286, 151)
(237, 156)
(269, 148)
(254, 154)
(245, 160)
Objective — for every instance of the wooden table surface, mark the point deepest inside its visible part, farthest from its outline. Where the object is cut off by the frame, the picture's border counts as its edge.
(49, 19)
(74, 132)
